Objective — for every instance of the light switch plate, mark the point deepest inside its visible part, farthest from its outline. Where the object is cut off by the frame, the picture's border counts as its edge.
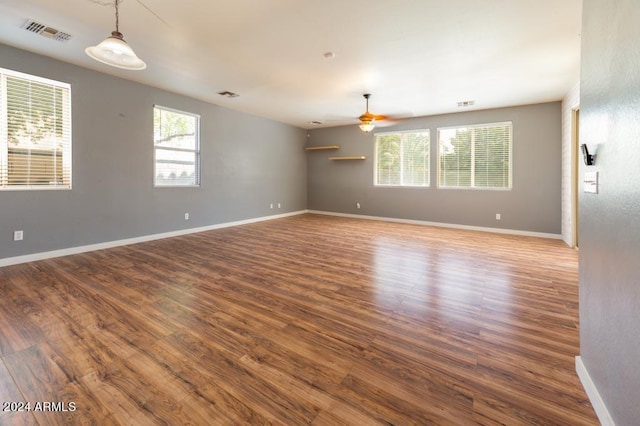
(591, 182)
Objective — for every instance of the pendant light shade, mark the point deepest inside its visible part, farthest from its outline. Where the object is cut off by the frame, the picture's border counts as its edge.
(115, 51)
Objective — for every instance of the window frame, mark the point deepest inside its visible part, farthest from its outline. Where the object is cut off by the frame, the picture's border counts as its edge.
(197, 151)
(67, 129)
(473, 187)
(401, 185)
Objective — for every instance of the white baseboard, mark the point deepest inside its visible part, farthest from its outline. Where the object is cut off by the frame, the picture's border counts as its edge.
(109, 244)
(593, 394)
(444, 225)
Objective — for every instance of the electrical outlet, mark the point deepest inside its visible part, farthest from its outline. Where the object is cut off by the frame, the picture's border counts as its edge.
(271, 205)
(279, 205)
(357, 205)
(18, 235)
(498, 216)
(186, 216)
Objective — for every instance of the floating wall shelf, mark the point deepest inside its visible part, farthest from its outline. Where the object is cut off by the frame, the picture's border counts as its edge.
(323, 147)
(360, 157)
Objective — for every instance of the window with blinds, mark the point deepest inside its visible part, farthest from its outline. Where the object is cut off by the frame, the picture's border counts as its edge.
(35, 132)
(176, 141)
(477, 156)
(402, 158)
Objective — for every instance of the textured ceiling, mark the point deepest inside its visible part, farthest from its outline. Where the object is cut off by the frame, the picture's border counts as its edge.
(417, 57)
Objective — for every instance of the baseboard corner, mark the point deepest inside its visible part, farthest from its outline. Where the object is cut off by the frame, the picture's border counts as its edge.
(592, 392)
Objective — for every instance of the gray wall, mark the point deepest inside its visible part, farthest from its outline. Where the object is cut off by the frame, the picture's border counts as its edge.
(610, 221)
(532, 205)
(247, 163)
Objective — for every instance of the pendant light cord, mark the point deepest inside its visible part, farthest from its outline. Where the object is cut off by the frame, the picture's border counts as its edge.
(117, 17)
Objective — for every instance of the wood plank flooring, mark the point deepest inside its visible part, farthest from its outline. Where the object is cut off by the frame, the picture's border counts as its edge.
(303, 320)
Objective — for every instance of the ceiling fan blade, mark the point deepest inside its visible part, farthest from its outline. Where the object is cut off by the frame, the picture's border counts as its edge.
(377, 120)
(367, 116)
(390, 120)
(386, 123)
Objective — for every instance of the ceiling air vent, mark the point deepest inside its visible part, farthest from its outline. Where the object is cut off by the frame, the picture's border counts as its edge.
(228, 94)
(45, 31)
(464, 104)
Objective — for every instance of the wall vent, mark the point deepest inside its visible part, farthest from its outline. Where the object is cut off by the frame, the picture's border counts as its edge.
(45, 31)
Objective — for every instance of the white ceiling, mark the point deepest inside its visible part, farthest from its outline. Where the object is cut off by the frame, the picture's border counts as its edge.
(416, 57)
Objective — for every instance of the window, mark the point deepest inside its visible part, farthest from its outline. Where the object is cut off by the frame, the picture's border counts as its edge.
(402, 158)
(176, 142)
(35, 132)
(476, 156)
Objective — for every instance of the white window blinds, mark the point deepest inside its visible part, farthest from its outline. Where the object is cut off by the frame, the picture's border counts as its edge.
(402, 158)
(477, 156)
(176, 137)
(35, 132)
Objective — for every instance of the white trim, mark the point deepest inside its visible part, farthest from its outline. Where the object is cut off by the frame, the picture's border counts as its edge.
(445, 225)
(179, 111)
(593, 394)
(477, 125)
(109, 244)
(397, 132)
(36, 78)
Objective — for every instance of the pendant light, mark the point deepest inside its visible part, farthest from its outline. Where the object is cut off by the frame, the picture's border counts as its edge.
(115, 51)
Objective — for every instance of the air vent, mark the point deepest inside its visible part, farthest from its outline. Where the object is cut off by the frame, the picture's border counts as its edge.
(45, 31)
(465, 104)
(228, 94)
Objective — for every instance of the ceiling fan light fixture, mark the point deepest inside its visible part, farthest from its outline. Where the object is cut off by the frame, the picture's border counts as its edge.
(367, 126)
(115, 51)
(367, 119)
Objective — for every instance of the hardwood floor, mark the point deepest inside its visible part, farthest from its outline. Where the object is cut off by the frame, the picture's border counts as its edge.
(304, 320)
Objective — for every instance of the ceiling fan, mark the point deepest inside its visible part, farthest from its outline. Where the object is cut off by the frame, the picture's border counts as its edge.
(368, 120)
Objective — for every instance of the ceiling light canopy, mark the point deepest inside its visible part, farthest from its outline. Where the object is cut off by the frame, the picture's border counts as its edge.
(115, 51)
